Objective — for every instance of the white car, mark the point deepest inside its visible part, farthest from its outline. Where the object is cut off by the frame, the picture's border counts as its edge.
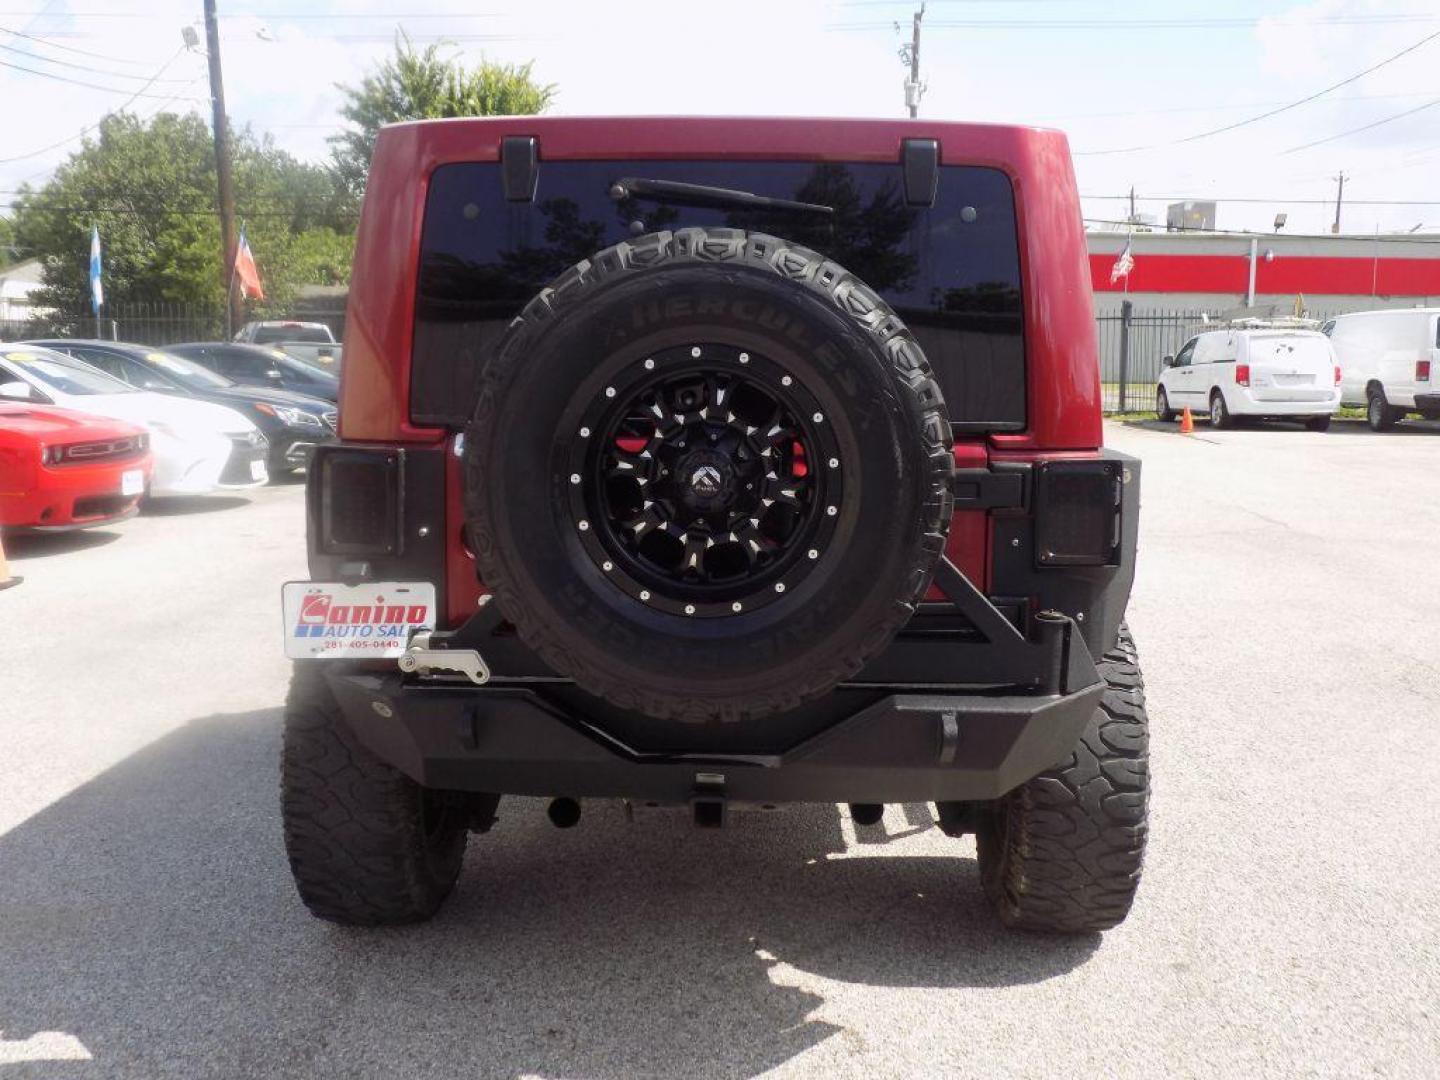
(197, 446)
(1277, 374)
(1390, 362)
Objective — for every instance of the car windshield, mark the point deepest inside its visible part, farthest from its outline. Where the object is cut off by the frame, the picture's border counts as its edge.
(264, 335)
(185, 372)
(64, 374)
(298, 367)
(326, 364)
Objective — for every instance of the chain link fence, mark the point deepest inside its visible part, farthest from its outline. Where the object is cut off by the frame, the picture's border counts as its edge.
(151, 323)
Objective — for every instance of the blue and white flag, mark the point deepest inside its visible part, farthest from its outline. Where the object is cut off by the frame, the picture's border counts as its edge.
(97, 291)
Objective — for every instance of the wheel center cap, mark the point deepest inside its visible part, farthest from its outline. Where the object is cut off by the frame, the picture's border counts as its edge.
(705, 481)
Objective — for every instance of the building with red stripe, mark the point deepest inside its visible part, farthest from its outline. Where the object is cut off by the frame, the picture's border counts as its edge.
(1227, 272)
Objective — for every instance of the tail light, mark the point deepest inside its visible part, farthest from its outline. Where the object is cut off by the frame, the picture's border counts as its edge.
(1422, 370)
(355, 500)
(1337, 374)
(1242, 374)
(1077, 513)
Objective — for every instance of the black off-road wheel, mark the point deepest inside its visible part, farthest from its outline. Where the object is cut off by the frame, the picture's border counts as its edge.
(367, 845)
(1063, 852)
(708, 475)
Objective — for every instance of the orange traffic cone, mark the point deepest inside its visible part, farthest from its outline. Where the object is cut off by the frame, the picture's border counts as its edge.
(5, 579)
(1187, 422)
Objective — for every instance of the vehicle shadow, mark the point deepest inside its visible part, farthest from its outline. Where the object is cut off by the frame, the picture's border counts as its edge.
(181, 505)
(148, 920)
(1405, 427)
(25, 546)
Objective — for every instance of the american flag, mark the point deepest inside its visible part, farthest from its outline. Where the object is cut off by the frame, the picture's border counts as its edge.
(1123, 265)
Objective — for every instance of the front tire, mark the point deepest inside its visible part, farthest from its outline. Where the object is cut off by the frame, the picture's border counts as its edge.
(367, 845)
(1063, 852)
(1220, 417)
(1318, 423)
(1163, 412)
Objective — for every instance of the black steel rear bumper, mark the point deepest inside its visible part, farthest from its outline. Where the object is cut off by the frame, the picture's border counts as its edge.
(900, 747)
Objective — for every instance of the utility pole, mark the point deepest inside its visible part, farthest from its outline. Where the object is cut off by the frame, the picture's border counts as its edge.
(234, 311)
(1339, 198)
(1132, 204)
(910, 54)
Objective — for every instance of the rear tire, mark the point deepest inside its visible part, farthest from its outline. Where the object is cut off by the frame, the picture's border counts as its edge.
(1379, 413)
(1063, 852)
(1163, 412)
(1220, 417)
(367, 845)
(1318, 423)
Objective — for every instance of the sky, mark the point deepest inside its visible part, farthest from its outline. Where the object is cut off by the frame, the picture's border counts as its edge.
(1114, 76)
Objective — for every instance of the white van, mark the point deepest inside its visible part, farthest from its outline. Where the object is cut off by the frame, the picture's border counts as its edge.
(1278, 374)
(1388, 359)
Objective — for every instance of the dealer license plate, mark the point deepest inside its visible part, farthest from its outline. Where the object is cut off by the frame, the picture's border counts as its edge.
(132, 482)
(326, 621)
(257, 470)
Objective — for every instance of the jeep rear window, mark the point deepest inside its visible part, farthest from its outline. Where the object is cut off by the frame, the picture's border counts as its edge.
(952, 271)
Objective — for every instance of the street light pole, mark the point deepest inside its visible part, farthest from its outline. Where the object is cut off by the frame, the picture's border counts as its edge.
(233, 310)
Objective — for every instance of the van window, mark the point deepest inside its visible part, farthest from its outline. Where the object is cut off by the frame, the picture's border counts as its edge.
(952, 272)
(1301, 350)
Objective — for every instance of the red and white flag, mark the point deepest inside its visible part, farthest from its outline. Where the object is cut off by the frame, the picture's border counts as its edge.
(245, 271)
(1123, 265)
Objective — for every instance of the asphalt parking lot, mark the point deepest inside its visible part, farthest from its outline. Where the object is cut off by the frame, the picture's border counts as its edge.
(1288, 924)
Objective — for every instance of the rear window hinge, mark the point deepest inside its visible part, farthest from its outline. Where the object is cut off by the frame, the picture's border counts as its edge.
(519, 167)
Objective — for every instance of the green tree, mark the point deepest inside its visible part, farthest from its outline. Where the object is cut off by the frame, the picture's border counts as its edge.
(426, 85)
(150, 187)
(9, 249)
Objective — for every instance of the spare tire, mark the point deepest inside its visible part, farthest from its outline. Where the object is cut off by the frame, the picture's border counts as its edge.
(708, 474)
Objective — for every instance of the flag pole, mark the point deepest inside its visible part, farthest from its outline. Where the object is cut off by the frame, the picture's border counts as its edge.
(95, 232)
(230, 292)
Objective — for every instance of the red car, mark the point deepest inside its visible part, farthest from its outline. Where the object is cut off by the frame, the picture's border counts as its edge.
(61, 469)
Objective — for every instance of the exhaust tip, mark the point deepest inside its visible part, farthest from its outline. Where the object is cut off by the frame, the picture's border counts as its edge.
(564, 813)
(867, 813)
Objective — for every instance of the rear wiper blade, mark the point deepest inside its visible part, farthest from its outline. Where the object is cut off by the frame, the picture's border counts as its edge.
(678, 194)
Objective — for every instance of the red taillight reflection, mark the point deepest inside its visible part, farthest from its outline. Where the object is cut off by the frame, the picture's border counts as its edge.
(1242, 374)
(1337, 375)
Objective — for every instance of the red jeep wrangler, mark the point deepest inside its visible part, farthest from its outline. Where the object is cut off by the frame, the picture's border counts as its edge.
(718, 463)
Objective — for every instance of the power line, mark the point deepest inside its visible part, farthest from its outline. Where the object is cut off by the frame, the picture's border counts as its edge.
(1218, 107)
(84, 67)
(71, 49)
(1363, 127)
(1258, 199)
(1272, 112)
(79, 82)
(86, 130)
(1184, 23)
